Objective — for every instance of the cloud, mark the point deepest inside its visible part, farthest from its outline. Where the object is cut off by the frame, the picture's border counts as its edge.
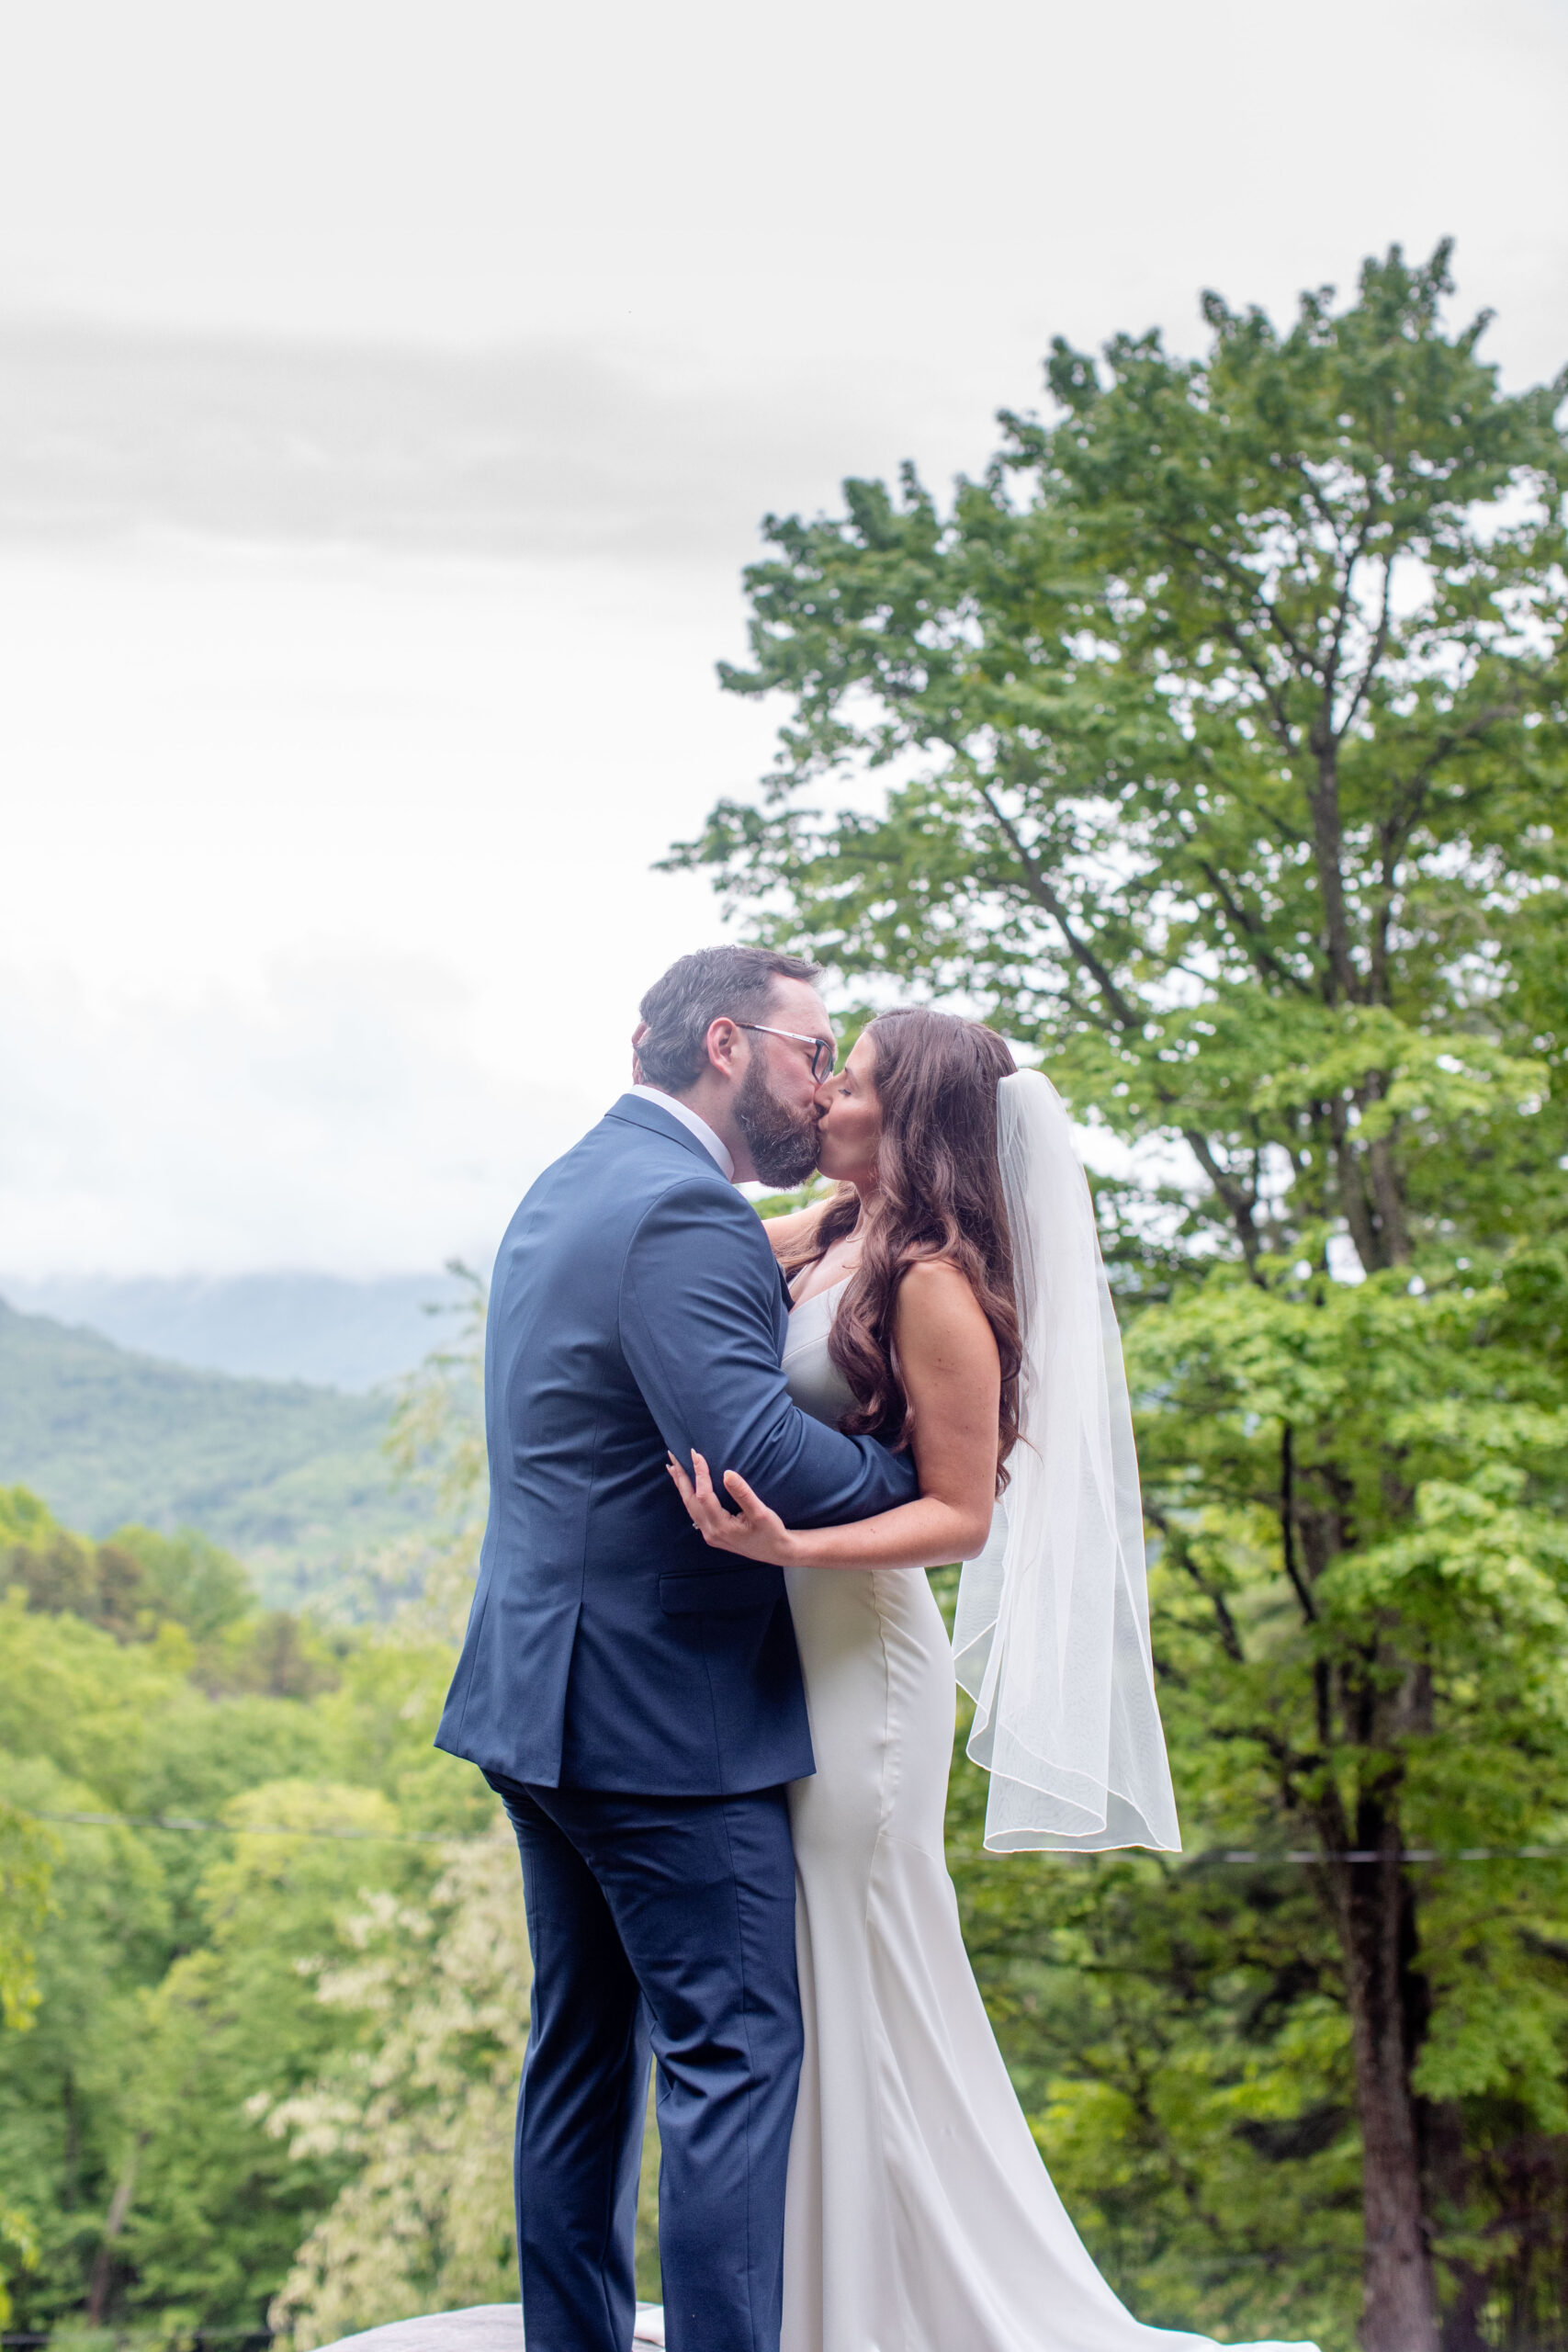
(333, 1118)
(328, 884)
(326, 832)
(560, 447)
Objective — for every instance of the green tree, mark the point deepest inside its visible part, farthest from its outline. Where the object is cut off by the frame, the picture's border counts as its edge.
(203, 1588)
(209, 2208)
(436, 1444)
(173, 1970)
(424, 2115)
(63, 2120)
(18, 2251)
(1223, 730)
(129, 1583)
(26, 1853)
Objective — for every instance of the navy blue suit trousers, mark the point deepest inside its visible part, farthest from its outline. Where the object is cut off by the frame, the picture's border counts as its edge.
(662, 1922)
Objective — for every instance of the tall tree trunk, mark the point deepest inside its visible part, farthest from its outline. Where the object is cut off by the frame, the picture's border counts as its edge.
(1353, 1202)
(114, 2221)
(1386, 1191)
(1399, 2310)
(1328, 848)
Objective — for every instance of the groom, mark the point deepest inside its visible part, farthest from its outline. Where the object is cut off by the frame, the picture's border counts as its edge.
(634, 1697)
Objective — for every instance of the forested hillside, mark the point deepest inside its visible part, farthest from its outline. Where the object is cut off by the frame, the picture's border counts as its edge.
(294, 1479)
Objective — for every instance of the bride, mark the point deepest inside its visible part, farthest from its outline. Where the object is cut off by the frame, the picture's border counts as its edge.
(951, 1298)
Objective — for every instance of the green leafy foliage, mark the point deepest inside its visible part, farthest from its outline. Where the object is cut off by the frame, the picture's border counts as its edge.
(27, 1854)
(1221, 734)
(174, 2000)
(425, 2114)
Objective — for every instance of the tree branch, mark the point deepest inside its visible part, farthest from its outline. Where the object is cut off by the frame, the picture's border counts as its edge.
(1176, 1544)
(1288, 1521)
(1236, 1198)
(1380, 641)
(1044, 892)
(1265, 962)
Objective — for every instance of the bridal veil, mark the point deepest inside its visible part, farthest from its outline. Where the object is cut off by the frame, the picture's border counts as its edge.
(1052, 1634)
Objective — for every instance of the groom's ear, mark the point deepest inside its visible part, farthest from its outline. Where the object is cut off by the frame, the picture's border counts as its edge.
(722, 1042)
(639, 1034)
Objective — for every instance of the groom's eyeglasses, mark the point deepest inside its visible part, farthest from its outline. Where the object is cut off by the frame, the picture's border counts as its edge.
(821, 1047)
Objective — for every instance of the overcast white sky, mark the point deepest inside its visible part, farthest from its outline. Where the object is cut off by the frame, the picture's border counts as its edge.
(388, 394)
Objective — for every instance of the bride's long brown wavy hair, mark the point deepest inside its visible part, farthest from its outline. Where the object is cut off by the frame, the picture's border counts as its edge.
(939, 1194)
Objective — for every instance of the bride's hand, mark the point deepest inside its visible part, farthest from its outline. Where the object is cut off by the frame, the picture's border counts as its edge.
(751, 1529)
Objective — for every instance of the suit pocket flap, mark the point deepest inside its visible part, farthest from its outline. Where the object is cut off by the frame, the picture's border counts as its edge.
(722, 1593)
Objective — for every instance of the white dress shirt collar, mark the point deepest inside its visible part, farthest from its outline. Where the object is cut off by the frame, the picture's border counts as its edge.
(699, 1127)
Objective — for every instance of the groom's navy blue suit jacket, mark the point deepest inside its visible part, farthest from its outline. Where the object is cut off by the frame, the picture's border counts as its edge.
(636, 1305)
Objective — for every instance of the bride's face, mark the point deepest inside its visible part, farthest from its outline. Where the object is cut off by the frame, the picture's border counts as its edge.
(849, 1121)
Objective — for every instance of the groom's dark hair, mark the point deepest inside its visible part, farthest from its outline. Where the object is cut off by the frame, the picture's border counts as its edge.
(701, 989)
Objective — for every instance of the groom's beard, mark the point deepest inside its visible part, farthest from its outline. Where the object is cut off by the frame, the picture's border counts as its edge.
(783, 1143)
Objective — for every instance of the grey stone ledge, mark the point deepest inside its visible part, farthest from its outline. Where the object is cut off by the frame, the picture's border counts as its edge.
(487, 2327)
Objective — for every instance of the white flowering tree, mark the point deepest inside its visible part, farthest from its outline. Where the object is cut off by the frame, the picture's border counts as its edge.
(426, 2222)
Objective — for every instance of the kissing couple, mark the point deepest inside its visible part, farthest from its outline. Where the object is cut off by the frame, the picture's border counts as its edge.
(706, 1675)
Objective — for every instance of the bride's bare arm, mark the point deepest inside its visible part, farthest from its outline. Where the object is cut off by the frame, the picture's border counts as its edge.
(791, 1237)
(947, 1359)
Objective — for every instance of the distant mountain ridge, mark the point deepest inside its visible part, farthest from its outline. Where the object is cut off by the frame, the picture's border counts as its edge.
(290, 1477)
(326, 1329)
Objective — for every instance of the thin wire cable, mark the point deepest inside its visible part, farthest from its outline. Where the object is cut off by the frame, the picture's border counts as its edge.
(1239, 1857)
(184, 1822)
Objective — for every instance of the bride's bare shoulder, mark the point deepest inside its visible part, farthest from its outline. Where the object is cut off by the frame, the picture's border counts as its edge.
(937, 1310)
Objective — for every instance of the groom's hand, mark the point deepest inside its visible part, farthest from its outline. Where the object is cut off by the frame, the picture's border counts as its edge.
(750, 1528)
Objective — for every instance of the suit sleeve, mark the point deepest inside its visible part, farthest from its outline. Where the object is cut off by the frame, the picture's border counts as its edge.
(699, 1330)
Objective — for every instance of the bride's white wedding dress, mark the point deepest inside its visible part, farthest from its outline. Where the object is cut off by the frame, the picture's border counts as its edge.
(920, 2217)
